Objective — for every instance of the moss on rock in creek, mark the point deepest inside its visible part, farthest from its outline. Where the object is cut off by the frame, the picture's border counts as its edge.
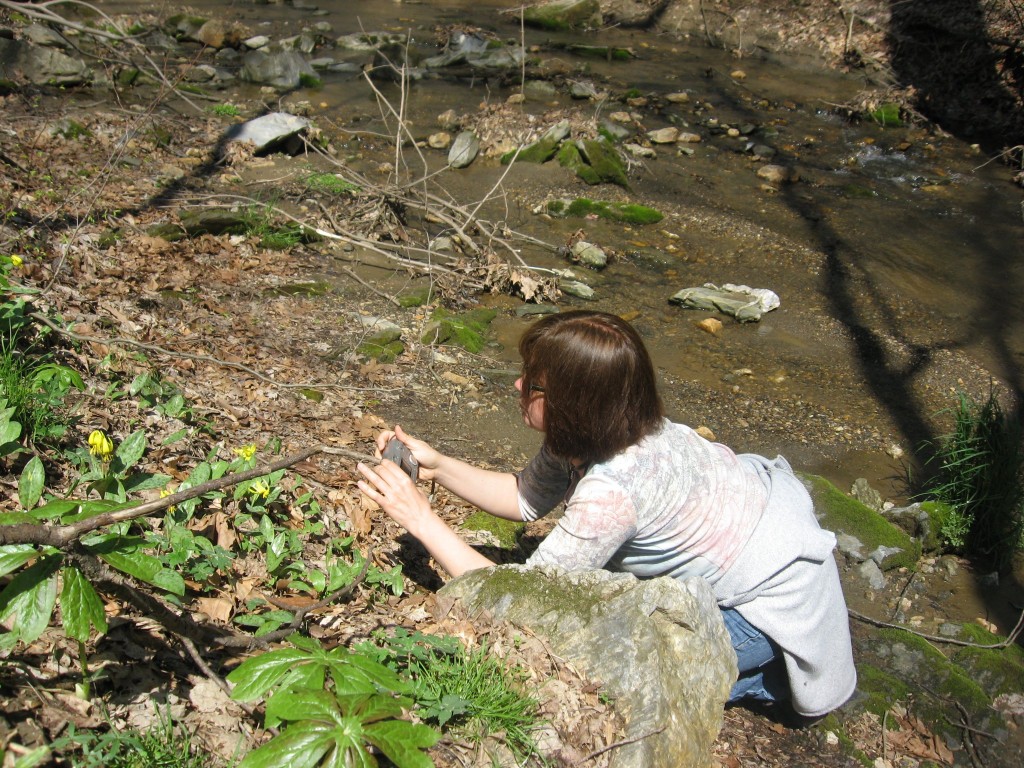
(595, 161)
(839, 512)
(629, 213)
(468, 330)
(506, 532)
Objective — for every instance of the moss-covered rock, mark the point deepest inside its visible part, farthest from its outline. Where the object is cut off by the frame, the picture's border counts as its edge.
(996, 670)
(467, 329)
(595, 161)
(415, 297)
(563, 14)
(629, 213)
(841, 513)
(542, 150)
(505, 532)
(384, 345)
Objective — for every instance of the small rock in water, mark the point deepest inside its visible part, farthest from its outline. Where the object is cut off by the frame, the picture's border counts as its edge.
(576, 288)
(688, 138)
(710, 325)
(589, 255)
(440, 140)
(667, 135)
(638, 151)
(677, 98)
(774, 174)
(464, 150)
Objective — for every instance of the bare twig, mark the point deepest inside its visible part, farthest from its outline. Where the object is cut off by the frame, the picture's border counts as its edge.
(1010, 639)
(621, 743)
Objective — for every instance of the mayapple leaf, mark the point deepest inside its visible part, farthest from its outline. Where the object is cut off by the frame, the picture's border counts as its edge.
(403, 742)
(301, 746)
(27, 602)
(254, 677)
(30, 485)
(81, 608)
(304, 705)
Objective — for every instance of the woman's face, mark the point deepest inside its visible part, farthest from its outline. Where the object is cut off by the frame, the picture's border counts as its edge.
(533, 406)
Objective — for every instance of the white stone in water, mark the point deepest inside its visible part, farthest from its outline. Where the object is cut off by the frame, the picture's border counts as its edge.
(668, 135)
(464, 150)
(589, 255)
(773, 174)
(688, 138)
(439, 140)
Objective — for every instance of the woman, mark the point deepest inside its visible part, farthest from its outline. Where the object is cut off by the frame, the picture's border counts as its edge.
(651, 497)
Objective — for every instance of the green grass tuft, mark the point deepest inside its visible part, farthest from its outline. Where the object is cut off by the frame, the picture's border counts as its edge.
(980, 476)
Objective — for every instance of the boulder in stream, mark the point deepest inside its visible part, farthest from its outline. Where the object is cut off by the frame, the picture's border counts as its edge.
(269, 133)
(40, 65)
(284, 70)
(563, 14)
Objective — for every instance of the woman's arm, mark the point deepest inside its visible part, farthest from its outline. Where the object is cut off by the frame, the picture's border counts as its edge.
(494, 492)
(398, 496)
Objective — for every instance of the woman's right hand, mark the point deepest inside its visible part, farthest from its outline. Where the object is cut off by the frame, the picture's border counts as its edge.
(427, 457)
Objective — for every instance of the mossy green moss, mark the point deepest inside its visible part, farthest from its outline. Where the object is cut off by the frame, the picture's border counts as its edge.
(467, 329)
(507, 532)
(996, 670)
(539, 152)
(595, 161)
(629, 213)
(831, 723)
(384, 353)
(839, 512)
(415, 297)
(880, 688)
(914, 657)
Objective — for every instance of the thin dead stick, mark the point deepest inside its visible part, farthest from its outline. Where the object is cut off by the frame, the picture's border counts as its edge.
(621, 743)
(1010, 640)
(351, 273)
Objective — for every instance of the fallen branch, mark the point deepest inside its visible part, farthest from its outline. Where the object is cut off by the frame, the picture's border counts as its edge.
(621, 743)
(1010, 639)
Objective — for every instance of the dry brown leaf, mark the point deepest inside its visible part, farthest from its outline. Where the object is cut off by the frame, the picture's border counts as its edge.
(218, 609)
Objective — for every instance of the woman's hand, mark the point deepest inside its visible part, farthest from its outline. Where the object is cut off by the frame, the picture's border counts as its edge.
(427, 457)
(396, 494)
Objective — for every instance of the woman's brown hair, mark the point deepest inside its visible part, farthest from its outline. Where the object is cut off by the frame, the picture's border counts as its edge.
(600, 395)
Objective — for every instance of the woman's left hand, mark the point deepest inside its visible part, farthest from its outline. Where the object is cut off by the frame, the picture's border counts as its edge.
(397, 495)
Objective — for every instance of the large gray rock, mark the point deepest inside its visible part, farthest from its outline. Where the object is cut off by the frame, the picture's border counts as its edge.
(40, 66)
(658, 646)
(284, 70)
(272, 132)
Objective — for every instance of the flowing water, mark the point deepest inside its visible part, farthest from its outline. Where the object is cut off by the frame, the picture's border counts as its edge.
(896, 252)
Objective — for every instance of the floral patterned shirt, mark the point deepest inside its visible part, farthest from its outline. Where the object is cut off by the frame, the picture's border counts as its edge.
(673, 504)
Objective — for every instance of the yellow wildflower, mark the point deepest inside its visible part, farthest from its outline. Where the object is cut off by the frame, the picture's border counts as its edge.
(16, 260)
(246, 452)
(101, 446)
(259, 489)
(164, 493)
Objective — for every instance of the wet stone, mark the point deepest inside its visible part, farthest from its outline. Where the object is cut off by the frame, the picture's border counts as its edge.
(464, 150)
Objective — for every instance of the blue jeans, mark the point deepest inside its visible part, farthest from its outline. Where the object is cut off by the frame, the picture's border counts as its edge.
(762, 672)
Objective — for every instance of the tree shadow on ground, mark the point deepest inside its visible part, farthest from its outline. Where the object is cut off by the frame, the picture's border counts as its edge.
(943, 51)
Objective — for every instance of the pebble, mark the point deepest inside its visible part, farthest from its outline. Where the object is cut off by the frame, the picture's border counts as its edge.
(688, 138)
(710, 325)
(440, 140)
(664, 135)
(638, 151)
(775, 174)
(677, 98)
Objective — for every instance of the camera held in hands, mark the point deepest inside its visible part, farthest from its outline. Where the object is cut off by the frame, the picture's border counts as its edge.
(399, 452)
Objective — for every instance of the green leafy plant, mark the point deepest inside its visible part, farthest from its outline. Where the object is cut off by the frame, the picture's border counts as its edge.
(330, 183)
(36, 388)
(979, 474)
(336, 703)
(226, 110)
(471, 691)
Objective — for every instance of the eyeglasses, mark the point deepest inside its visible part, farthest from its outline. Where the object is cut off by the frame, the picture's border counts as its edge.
(536, 388)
